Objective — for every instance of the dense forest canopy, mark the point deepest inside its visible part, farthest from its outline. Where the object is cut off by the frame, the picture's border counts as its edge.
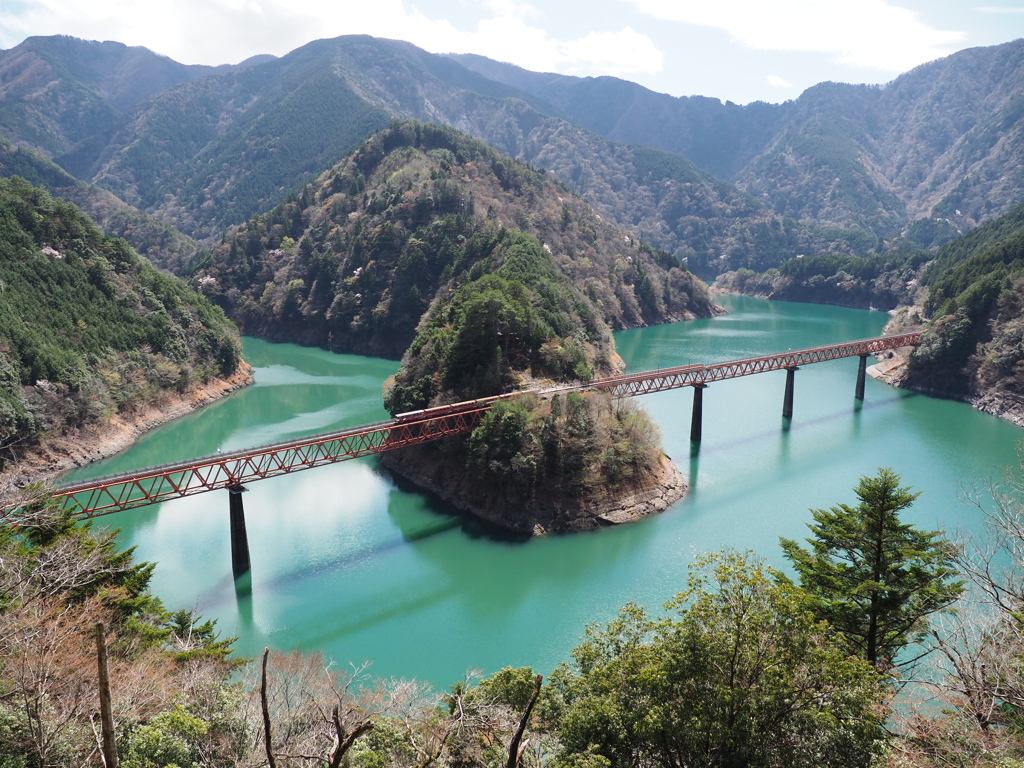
(354, 260)
(87, 327)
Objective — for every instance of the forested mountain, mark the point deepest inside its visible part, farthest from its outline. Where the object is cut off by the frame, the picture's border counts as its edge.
(354, 260)
(65, 95)
(974, 346)
(844, 168)
(159, 242)
(87, 328)
(721, 138)
(942, 141)
(210, 152)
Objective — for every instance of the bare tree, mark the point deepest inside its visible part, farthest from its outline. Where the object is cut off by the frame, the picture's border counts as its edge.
(309, 710)
(976, 688)
(514, 750)
(50, 667)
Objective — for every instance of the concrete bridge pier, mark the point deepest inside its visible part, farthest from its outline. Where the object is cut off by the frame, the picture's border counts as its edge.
(861, 372)
(239, 541)
(787, 400)
(696, 420)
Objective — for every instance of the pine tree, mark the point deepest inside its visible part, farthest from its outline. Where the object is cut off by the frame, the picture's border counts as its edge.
(873, 577)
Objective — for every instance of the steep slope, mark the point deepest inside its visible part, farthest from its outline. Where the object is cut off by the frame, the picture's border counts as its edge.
(150, 237)
(177, 155)
(61, 94)
(942, 141)
(209, 154)
(720, 138)
(846, 169)
(354, 261)
(288, 119)
(87, 329)
(974, 345)
(951, 135)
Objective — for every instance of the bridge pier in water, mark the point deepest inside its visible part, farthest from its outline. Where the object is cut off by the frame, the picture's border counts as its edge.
(102, 496)
(787, 400)
(861, 372)
(696, 420)
(239, 541)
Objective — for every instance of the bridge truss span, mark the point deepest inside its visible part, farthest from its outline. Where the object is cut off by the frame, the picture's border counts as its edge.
(231, 471)
(115, 493)
(630, 385)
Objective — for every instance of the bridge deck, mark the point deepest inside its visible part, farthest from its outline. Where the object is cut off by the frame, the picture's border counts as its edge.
(115, 493)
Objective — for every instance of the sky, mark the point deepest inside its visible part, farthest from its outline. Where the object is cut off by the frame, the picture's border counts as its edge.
(735, 50)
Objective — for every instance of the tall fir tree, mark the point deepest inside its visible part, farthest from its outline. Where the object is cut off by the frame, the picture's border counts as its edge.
(873, 577)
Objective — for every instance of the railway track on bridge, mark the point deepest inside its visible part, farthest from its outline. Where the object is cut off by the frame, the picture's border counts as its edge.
(231, 471)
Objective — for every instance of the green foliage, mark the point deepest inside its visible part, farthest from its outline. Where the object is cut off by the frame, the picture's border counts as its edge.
(983, 245)
(582, 449)
(420, 210)
(945, 346)
(86, 327)
(511, 687)
(169, 739)
(873, 577)
(163, 245)
(882, 281)
(741, 674)
(505, 447)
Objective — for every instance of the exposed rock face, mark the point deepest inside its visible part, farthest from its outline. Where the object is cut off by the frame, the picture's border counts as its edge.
(1005, 405)
(996, 402)
(651, 493)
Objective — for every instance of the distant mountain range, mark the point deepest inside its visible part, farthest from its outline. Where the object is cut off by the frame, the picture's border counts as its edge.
(944, 140)
(845, 169)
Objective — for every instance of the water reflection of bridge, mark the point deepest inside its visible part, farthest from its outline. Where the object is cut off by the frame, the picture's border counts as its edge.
(231, 471)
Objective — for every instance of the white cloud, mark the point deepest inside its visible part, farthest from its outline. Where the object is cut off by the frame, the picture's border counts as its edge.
(613, 53)
(229, 31)
(999, 9)
(870, 34)
(777, 82)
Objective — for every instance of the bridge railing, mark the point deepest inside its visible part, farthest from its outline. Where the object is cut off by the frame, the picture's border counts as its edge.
(644, 383)
(138, 488)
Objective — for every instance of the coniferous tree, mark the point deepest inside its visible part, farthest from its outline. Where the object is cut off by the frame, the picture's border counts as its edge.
(874, 578)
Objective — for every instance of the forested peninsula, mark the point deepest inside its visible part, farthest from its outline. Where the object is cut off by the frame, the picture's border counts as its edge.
(487, 276)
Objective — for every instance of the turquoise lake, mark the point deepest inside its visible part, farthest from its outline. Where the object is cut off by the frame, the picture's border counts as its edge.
(345, 561)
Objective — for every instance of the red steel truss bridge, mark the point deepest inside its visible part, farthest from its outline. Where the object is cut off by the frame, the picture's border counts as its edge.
(231, 471)
(644, 383)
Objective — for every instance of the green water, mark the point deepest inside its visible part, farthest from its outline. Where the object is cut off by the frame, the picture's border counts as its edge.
(345, 561)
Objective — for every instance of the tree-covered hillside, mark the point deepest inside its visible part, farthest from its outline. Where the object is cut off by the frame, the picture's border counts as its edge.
(355, 259)
(968, 297)
(881, 281)
(149, 236)
(941, 141)
(87, 328)
(64, 95)
(975, 341)
(213, 150)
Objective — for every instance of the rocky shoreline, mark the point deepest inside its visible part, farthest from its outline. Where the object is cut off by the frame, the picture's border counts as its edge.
(430, 470)
(56, 454)
(1008, 406)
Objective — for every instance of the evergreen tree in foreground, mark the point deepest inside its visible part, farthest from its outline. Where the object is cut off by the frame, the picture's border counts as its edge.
(873, 577)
